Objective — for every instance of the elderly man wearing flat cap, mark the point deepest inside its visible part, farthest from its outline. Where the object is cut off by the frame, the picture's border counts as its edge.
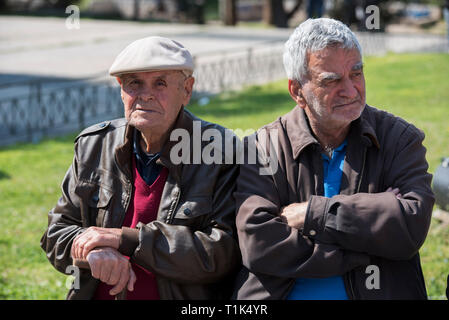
(144, 224)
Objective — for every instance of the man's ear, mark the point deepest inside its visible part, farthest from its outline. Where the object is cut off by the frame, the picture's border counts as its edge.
(295, 89)
(188, 87)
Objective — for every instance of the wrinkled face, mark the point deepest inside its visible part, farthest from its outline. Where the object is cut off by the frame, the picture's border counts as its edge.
(334, 94)
(152, 100)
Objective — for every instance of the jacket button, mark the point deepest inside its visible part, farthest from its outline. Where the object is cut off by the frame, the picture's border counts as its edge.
(187, 211)
(312, 232)
(95, 198)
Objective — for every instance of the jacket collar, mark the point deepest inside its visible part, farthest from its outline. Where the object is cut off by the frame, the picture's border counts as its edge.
(183, 121)
(300, 134)
(124, 152)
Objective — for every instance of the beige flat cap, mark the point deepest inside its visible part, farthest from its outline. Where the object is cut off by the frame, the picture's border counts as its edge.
(152, 54)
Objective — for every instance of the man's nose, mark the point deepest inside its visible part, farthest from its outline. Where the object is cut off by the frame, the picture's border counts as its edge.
(348, 89)
(146, 94)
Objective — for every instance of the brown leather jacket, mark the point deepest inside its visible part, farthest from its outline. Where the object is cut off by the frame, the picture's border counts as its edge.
(191, 247)
(342, 235)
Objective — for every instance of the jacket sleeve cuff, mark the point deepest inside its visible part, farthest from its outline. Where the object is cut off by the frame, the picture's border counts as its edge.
(315, 220)
(128, 241)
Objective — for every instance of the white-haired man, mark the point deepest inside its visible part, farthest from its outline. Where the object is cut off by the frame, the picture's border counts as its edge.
(345, 213)
(146, 225)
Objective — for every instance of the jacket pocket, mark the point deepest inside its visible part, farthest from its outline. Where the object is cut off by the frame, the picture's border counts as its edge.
(194, 211)
(100, 198)
(97, 198)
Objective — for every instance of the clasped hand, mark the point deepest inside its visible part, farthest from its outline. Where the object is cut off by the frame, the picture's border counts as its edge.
(99, 246)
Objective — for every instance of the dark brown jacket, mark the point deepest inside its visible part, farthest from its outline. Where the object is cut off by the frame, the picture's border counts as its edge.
(191, 247)
(363, 225)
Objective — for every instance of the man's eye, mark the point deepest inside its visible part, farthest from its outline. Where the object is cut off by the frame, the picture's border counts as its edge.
(160, 83)
(328, 82)
(133, 83)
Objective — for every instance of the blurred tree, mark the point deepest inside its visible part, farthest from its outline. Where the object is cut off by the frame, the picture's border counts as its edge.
(62, 4)
(196, 11)
(2, 5)
(26, 5)
(211, 10)
(136, 9)
(275, 14)
(228, 12)
(190, 11)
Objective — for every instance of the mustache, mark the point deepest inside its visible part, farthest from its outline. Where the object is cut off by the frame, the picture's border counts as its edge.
(143, 106)
(343, 103)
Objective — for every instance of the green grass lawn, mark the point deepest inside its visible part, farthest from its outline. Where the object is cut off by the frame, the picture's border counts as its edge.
(415, 87)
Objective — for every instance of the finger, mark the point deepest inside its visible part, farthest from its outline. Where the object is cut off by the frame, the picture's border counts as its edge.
(116, 273)
(87, 247)
(399, 196)
(79, 243)
(81, 251)
(389, 189)
(106, 269)
(120, 286)
(88, 242)
(75, 247)
(121, 283)
(132, 278)
(96, 239)
(95, 268)
(72, 250)
(78, 250)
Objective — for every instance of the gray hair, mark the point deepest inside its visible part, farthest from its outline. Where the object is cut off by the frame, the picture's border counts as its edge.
(313, 35)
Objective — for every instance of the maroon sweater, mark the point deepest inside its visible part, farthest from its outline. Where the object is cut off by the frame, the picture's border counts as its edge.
(143, 209)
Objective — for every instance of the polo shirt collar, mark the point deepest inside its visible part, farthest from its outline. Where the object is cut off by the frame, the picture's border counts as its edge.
(300, 134)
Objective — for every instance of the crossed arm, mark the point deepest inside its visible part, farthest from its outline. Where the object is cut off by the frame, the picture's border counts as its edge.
(294, 214)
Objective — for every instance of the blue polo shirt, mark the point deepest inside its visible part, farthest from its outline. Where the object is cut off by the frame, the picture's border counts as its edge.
(331, 288)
